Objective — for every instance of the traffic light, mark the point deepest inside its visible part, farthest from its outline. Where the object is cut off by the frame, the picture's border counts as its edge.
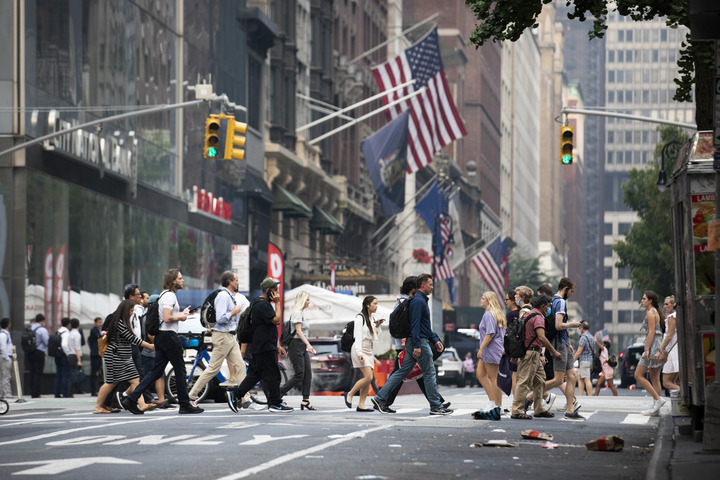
(212, 137)
(566, 145)
(235, 147)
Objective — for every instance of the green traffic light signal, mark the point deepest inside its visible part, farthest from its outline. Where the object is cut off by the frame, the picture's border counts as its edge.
(212, 152)
(567, 159)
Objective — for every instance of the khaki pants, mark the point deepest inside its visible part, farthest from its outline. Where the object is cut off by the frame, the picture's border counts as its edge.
(224, 346)
(530, 376)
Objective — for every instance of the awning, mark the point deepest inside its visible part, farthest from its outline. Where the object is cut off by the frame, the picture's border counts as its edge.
(326, 223)
(254, 185)
(290, 204)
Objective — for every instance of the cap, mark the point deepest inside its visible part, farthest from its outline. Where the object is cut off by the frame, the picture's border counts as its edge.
(269, 282)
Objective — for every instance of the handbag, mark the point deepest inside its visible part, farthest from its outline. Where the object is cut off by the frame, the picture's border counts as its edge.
(612, 361)
(78, 375)
(102, 345)
(504, 376)
(662, 355)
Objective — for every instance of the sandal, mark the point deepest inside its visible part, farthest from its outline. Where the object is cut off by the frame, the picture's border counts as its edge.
(148, 407)
(520, 416)
(306, 404)
(545, 415)
(102, 410)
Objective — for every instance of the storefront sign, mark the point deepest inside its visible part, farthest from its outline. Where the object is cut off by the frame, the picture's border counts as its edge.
(276, 270)
(205, 203)
(104, 152)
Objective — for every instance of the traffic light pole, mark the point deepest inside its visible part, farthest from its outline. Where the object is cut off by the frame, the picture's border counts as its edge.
(639, 118)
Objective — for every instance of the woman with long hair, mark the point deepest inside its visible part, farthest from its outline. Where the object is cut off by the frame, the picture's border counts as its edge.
(366, 333)
(654, 327)
(607, 370)
(671, 368)
(492, 332)
(119, 365)
(299, 351)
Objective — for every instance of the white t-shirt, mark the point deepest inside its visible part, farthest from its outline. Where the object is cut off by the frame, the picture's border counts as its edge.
(138, 311)
(241, 299)
(168, 300)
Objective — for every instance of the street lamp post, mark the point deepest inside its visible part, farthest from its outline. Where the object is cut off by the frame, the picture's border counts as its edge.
(670, 150)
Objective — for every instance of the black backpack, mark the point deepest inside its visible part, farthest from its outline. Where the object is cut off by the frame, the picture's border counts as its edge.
(244, 327)
(288, 332)
(400, 320)
(550, 330)
(152, 317)
(514, 340)
(348, 337)
(207, 311)
(28, 341)
(54, 348)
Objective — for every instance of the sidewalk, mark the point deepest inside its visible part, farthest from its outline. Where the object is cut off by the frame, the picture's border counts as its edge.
(679, 457)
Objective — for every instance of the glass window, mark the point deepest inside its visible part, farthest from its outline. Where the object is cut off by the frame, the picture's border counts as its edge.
(611, 136)
(608, 270)
(628, 158)
(624, 294)
(620, 76)
(663, 35)
(611, 55)
(608, 230)
(628, 35)
(611, 76)
(629, 55)
(621, 36)
(628, 137)
(621, 56)
(611, 157)
(611, 96)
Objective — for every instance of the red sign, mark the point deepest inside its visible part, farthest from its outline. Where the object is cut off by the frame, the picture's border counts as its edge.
(276, 270)
(449, 327)
(205, 202)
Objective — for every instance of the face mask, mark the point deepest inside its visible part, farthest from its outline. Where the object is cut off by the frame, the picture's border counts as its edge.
(547, 312)
(517, 302)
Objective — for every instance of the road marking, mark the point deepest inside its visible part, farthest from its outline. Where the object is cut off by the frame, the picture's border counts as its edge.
(636, 419)
(238, 425)
(260, 439)
(73, 430)
(53, 467)
(292, 456)
(463, 411)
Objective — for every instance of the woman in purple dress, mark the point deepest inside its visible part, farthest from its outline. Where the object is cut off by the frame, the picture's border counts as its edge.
(492, 333)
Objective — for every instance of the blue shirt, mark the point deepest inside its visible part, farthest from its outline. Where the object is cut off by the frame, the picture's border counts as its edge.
(586, 341)
(559, 305)
(420, 326)
(224, 303)
(41, 337)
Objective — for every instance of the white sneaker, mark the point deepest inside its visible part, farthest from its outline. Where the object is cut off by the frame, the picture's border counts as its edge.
(658, 404)
(229, 383)
(549, 401)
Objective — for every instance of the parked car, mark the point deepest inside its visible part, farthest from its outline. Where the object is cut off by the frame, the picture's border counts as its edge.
(628, 363)
(450, 368)
(331, 367)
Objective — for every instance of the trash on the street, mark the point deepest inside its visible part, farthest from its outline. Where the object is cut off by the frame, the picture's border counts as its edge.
(610, 443)
(549, 445)
(492, 443)
(534, 434)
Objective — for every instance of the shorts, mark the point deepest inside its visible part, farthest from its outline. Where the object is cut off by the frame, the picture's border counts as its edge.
(584, 369)
(565, 362)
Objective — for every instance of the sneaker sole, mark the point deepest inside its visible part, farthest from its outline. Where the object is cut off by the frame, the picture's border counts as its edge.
(231, 401)
(376, 406)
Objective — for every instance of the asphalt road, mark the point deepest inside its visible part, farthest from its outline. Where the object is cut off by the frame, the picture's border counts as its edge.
(61, 438)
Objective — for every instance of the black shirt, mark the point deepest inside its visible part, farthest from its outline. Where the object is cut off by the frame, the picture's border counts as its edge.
(92, 341)
(265, 333)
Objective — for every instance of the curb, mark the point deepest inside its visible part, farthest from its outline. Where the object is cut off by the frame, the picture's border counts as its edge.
(659, 465)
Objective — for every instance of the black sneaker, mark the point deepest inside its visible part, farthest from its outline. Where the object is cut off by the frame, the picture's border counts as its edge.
(230, 396)
(131, 405)
(190, 408)
(119, 397)
(390, 410)
(527, 404)
(280, 408)
(380, 407)
(574, 416)
(446, 404)
(440, 411)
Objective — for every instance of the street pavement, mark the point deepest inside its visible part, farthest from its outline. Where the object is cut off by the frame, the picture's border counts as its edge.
(63, 439)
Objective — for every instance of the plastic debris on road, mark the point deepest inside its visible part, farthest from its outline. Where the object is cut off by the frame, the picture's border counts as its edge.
(549, 445)
(492, 443)
(534, 434)
(611, 443)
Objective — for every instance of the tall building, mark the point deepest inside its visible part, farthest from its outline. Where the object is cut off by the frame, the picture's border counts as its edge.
(641, 63)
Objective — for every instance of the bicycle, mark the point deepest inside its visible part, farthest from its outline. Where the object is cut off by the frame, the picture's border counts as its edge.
(4, 407)
(195, 368)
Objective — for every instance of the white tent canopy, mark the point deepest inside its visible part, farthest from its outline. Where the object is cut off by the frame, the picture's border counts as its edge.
(329, 312)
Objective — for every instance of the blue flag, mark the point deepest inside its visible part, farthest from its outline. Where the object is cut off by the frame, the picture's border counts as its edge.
(431, 207)
(384, 153)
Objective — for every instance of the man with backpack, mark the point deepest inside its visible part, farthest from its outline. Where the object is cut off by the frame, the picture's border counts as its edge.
(563, 366)
(417, 351)
(59, 348)
(35, 348)
(168, 347)
(226, 311)
(530, 372)
(6, 359)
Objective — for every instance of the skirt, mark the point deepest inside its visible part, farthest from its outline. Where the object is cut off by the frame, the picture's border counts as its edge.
(368, 359)
(672, 365)
(119, 365)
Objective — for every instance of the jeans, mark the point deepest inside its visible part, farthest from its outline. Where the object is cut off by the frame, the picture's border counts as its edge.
(300, 359)
(62, 376)
(36, 362)
(426, 364)
(263, 366)
(168, 348)
(95, 368)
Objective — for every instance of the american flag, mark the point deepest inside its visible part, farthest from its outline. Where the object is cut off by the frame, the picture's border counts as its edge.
(434, 119)
(442, 268)
(492, 263)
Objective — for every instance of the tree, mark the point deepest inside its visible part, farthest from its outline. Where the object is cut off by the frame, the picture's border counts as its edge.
(647, 248)
(507, 20)
(526, 271)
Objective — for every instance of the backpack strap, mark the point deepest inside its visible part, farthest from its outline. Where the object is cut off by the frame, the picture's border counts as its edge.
(526, 320)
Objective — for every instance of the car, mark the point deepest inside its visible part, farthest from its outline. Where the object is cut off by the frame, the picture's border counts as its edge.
(628, 363)
(449, 368)
(332, 369)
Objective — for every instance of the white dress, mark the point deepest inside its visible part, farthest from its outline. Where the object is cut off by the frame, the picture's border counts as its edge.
(672, 365)
(364, 339)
